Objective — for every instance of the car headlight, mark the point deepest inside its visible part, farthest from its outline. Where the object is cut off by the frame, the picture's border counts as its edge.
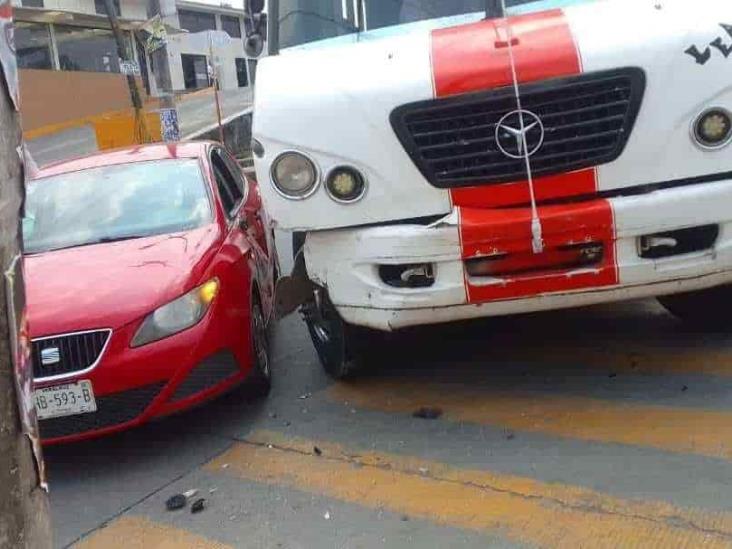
(178, 315)
(294, 175)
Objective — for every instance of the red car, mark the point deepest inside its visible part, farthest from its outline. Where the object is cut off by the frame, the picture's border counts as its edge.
(150, 278)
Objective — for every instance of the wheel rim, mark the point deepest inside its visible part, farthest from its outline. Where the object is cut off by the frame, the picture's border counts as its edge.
(259, 336)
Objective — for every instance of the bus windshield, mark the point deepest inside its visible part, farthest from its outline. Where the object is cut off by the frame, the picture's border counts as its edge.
(310, 21)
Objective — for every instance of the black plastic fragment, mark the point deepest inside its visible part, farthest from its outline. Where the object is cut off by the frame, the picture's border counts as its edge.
(198, 505)
(178, 501)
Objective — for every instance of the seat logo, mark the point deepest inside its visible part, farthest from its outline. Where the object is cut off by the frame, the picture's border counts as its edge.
(50, 355)
(516, 140)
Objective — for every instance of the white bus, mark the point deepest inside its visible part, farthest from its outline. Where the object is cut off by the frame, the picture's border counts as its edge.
(452, 159)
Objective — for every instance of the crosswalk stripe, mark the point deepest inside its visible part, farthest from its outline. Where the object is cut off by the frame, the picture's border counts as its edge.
(682, 430)
(520, 509)
(133, 532)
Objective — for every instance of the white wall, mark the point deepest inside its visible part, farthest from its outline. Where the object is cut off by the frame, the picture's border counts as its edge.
(224, 56)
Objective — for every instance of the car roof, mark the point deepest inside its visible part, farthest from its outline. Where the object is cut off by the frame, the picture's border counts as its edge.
(127, 155)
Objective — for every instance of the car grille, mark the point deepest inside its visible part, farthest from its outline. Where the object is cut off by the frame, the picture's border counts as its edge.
(587, 120)
(67, 354)
(113, 409)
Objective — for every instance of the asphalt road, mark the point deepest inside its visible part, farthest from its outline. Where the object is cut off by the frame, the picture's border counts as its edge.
(195, 113)
(602, 427)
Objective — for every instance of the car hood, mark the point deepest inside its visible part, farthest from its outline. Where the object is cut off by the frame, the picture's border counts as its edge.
(109, 285)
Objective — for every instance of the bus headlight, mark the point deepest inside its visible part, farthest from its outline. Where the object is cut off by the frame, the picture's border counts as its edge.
(345, 184)
(294, 175)
(713, 128)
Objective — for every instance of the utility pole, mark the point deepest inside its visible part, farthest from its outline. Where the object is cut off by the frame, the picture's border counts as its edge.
(163, 83)
(125, 54)
(24, 522)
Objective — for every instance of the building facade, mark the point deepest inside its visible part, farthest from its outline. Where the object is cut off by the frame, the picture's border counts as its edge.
(68, 58)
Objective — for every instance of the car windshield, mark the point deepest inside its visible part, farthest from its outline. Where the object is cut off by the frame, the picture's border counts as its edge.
(309, 21)
(112, 203)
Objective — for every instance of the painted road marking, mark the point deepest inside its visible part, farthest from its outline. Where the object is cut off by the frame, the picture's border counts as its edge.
(520, 509)
(132, 532)
(687, 430)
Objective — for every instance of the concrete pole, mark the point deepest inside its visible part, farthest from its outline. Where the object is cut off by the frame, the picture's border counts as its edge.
(123, 52)
(24, 521)
(163, 82)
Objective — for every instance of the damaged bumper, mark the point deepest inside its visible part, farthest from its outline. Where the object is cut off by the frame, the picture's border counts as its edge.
(394, 276)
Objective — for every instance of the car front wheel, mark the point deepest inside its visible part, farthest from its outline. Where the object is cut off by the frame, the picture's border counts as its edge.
(261, 376)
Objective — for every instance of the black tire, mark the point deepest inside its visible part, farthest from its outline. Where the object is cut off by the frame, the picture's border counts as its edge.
(708, 308)
(344, 350)
(260, 380)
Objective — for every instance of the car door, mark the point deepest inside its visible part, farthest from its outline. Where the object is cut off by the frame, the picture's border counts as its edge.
(237, 194)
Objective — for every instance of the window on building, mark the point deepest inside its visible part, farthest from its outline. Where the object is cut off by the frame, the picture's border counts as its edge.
(101, 8)
(33, 46)
(195, 71)
(230, 25)
(196, 21)
(86, 49)
(241, 72)
(32, 3)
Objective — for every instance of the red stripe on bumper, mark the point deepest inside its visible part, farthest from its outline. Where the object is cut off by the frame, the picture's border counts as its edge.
(490, 232)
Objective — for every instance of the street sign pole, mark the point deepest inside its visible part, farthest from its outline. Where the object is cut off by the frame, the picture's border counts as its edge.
(161, 69)
(142, 135)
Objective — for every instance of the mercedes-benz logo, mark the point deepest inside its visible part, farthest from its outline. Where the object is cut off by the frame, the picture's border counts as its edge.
(510, 139)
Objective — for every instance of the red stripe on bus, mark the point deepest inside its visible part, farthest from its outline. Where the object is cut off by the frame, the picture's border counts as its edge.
(505, 233)
(473, 58)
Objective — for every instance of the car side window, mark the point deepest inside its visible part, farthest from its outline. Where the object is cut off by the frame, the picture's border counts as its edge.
(230, 192)
(235, 170)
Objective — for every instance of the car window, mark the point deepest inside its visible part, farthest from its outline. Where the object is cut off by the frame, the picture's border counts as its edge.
(115, 202)
(235, 170)
(230, 192)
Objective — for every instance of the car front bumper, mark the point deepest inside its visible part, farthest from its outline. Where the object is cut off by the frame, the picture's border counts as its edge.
(347, 261)
(135, 385)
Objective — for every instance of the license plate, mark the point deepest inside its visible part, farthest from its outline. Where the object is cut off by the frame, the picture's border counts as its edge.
(65, 400)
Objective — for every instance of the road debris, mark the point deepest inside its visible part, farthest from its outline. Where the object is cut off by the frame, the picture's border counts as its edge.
(612, 375)
(198, 506)
(424, 470)
(305, 396)
(318, 451)
(510, 435)
(273, 415)
(175, 502)
(428, 412)
(190, 493)
(684, 389)
(326, 516)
